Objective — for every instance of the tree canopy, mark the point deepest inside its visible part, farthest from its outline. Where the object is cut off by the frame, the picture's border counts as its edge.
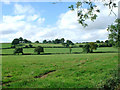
(90, 13)
(114, 35)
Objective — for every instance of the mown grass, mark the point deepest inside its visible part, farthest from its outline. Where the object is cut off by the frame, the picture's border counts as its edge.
(72, 70)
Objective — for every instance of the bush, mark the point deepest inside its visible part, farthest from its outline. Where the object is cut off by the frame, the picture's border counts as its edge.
(86, 48)
(30, 45)
(26, 46)
(12, 46)
(39, 49)
(18, 50)
(80, 45)
(93, 46)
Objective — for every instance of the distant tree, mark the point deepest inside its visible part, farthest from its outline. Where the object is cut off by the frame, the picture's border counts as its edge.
(89, 47)
(80, 45)
(86, 48)
(63, 44)
(26, 46)
(70, 50)
(29, 41)
(39, 49)
(106, 41)
(97, 41)
(36, 41)
(49, 41)
(102, 42)
(69, 42)
(66, 45)
(57, 41)
(15, 41)
(20, 39)
(25, 41)
(18, 50)
(93, 46)
(44, 41)
(30, 46)
(62, 40)
(53, 41)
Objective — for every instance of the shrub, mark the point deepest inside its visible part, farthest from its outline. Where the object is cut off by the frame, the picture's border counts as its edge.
(80, 45)
(30, 45)
(18, 50)
(26, 46)
(12, 46)
(93, 46)
(86, 48)
(39, 49)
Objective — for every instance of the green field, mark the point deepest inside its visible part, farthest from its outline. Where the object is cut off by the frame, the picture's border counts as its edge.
(59, 69)
(70, 71)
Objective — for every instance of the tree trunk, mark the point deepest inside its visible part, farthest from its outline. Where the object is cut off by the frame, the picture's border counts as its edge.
(91, 51)
(38, 53)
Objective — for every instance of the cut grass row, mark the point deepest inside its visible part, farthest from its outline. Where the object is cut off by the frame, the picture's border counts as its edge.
(72, 71)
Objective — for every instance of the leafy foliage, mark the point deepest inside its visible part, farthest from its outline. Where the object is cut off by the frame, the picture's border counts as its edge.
(93, 46)
(89, 47)
(83, 13)
(18, 50)
(15, 41)
(39, 49)
(86, 48)
(36, 41)
(90, 12)
(114, 35)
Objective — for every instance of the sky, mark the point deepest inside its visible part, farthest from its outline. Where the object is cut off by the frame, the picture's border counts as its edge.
(45, 20)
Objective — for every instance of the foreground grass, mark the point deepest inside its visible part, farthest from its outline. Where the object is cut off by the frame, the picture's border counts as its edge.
(72, 71)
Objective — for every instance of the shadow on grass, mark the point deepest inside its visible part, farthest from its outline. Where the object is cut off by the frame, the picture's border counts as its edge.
(106, 52)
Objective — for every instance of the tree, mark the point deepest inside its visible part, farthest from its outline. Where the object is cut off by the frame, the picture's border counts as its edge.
(70, 50)
(57, 41)
(30, 45)
(39, 49)
(114, 35)
(106, 41)
(93, 46)
(86, 48)
(69, 42)
(89, 47)
(44, 41)
(15, 41)
(25, 41)
(90, 13)
(62, 40)
(20, 39)
(18, 50)
(97, 41)
(49, 41)
(36, 41)
(102, 42)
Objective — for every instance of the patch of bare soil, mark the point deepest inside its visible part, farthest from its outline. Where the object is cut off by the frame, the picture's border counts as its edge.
(82, 62)
(45, 74)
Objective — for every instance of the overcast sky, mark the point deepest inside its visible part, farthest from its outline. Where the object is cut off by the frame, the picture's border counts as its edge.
(44, 20)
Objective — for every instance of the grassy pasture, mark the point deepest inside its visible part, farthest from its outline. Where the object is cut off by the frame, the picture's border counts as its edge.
(72, 71)
(58, 70)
